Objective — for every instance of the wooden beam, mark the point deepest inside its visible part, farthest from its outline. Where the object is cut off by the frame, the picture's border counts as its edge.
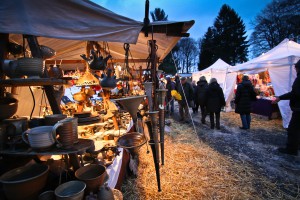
(52, 62)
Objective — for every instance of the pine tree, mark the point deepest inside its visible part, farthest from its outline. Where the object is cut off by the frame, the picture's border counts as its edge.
(207, 50)
(225, 40)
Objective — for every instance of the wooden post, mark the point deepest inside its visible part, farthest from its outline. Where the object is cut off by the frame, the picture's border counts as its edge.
(4, 38)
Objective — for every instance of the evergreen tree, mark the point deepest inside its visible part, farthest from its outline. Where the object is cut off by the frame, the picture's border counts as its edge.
(225, 40)
(206, 55)
(159, 15)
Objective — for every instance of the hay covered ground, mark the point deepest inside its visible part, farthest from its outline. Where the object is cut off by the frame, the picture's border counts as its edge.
(219, 164)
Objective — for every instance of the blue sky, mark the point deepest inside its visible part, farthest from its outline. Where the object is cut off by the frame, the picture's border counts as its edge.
(203, 12)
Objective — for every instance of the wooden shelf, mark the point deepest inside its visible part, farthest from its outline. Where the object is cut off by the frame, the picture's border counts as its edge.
(33, 81)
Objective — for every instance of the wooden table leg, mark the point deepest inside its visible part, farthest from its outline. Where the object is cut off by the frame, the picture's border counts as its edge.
(74, 161)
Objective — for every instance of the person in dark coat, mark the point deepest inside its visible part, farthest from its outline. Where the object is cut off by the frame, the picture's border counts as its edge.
(245, 94)
(196, 106)
(200, 96)
(170, 101)
(187, 94)
(294, 125)
(214, 100)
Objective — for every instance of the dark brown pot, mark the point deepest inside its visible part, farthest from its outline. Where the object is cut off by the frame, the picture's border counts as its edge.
(24, 183)
(93, 175)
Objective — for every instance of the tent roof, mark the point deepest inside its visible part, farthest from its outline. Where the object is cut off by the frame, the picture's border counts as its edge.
(218, 65)
(71, 20)
(65, 26)
(278, 56)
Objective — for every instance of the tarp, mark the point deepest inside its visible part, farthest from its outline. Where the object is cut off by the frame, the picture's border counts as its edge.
(279, 62)
(72, 20)
(219, 70)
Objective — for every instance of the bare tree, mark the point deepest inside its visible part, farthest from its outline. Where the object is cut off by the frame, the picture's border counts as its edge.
(188, 52)
(280, 19)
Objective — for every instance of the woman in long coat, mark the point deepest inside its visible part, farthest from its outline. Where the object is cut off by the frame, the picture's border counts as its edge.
(245, 94)
(214, 98)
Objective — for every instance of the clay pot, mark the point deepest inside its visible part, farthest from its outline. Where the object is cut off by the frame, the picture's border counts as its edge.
(47, 195)
(65, 131)
(8, 107)
(72, 190)
(16, 125)
(93, 175)
(105, 193)
(51, 120)
(24, 183)
(31, 67)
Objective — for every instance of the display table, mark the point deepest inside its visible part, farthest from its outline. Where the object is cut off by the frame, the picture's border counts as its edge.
(264, 107)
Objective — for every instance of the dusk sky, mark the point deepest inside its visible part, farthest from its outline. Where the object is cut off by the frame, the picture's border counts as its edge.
(203, 12)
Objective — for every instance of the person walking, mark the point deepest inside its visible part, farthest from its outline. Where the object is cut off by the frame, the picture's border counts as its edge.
(214, 100)
(200, 96)
(170, 101)
(293, 130)
(245, 94)
(186, 91)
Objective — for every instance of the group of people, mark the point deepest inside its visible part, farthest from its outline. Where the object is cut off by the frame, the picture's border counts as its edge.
(210, 98)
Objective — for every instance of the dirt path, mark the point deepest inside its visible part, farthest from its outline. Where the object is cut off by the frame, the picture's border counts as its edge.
(255, 148)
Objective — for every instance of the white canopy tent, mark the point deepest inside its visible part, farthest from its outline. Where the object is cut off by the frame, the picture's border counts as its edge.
(279, 62)
(219, 71)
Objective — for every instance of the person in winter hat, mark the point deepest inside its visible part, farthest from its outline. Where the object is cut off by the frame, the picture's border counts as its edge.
(214, 100)
(245, 94)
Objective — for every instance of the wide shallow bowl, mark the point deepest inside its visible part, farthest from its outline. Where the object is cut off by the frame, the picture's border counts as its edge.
(93, 175)
(131, 140)
(8, 107)
(24, 183)
(72, 190)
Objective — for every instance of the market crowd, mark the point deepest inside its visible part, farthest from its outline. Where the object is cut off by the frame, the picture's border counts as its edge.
(209, 97)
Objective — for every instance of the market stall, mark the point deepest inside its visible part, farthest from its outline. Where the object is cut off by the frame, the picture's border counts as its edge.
(95, 114)
(279, 63)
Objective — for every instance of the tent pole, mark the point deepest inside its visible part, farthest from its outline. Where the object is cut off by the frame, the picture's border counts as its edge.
(291, 61)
